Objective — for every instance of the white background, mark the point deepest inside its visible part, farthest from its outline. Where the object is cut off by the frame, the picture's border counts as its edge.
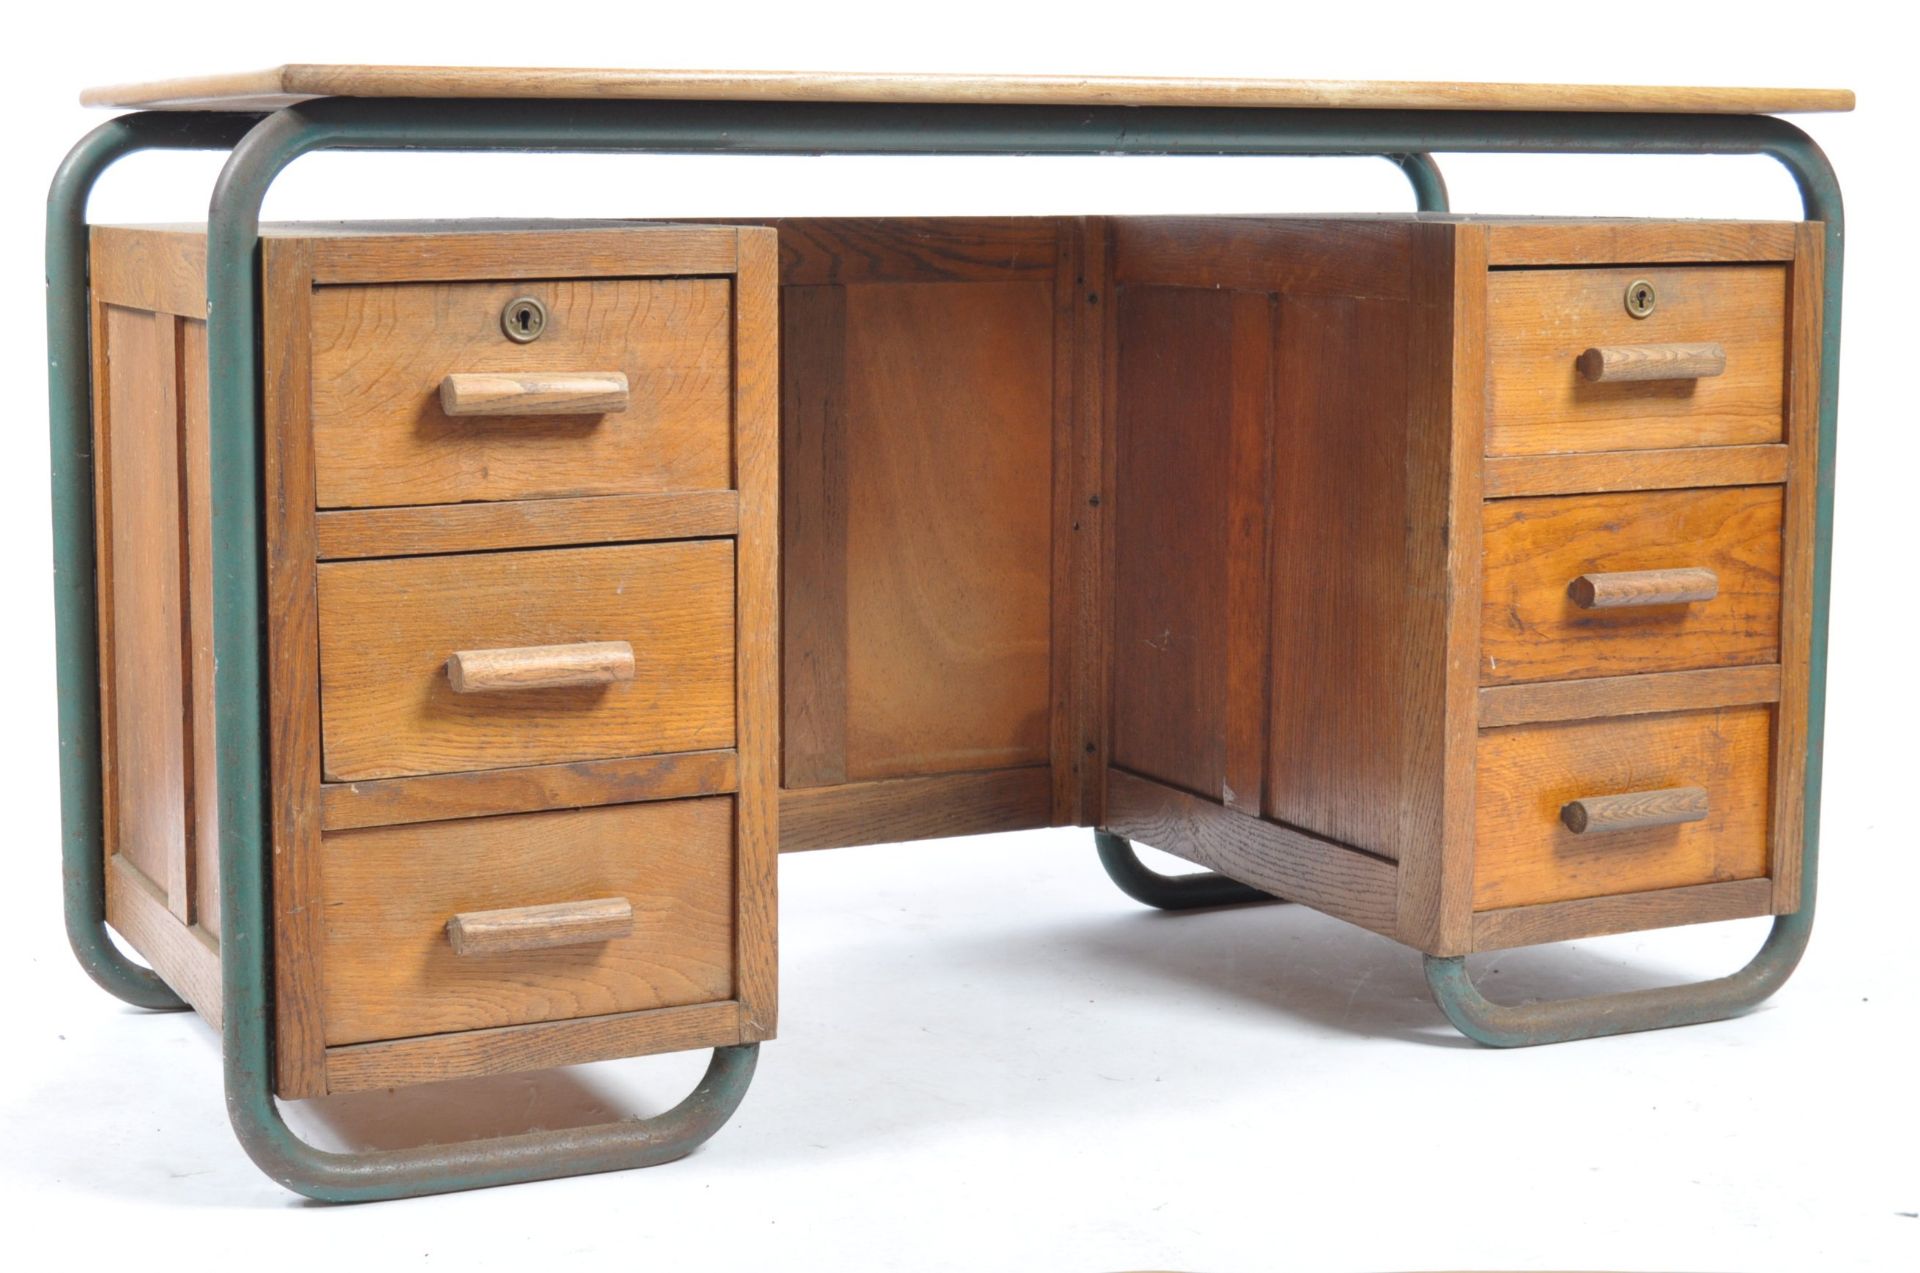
(989, 1058)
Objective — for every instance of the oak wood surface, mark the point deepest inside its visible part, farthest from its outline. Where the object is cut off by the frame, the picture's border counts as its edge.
(1533, 630)
(538, 393)
(1622, 589)
(756, 414)
(294, 82)
(1342, 881)
(186, 957)
(360, 1067)
(156, 269)
(1524, 854)
(1628, 695)
(1798, 600)
(1603, 471)
(1607, 364)
(1541, 241)
(1540, 322)
(535, 667)
(388, 971)
(528, 523)
(388, 627)
(1635, 810)
(435, 797)
(380, 353)
(919, 808)
(1622, 913)
(543, 927)
(293, 651)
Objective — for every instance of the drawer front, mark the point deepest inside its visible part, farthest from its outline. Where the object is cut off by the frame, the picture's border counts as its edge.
(388, 702)
(381, 435)
(1526, 853)
(390, 970)
(1540, 322)
(1636, 552)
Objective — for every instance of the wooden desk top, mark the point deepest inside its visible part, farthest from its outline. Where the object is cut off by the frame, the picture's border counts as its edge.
(285, 85)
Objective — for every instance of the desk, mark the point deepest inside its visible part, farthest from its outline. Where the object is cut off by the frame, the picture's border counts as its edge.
(1463, 578)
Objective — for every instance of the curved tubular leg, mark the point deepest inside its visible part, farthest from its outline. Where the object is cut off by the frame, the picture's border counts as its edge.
(233, 289)
(76, 605)
(1170, 892)
(1429, 187)
(1499, 1025)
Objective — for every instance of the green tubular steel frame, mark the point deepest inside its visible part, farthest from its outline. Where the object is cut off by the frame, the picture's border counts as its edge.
(262, 146)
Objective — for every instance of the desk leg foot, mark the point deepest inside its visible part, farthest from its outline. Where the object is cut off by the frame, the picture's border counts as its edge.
(1562, 1020)
(376, 1175)
(1170, 892)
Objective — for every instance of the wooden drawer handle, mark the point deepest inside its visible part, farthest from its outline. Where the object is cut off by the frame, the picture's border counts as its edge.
(1612, 363)
(540, 667)
(1670, 806)
(551, 393)
(1644, 588)
(540, 927)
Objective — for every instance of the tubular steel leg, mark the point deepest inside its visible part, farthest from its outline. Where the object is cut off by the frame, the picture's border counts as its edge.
(1429, 187)
(75, 602)
(1170, 892)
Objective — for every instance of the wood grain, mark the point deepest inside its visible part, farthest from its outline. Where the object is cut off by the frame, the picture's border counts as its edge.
(436, 797)
(1342, 881)
(539, 667)
(1090, 496)
(1624, 913)
(1635, 810)
(534, 394)
(1361, 257)
(1600, 472)
(293, 652)
(387, 628)
(1600, 241)
(922, 808)
(490, 251)
(186, 957)
(847, 251)
(1534, 630)
(1628, 695)
(1529, 773)
(1798, 598)
(1615, 364)
(294, 82)
(1624, 589)
(388, 971)
(360, 1067)
(532, 523)
(380, 353)
(756, 413)
(544, 927)
(1540, 321)
(154, 269)
(949, 401)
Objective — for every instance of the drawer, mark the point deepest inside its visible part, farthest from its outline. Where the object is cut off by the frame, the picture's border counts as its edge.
(389, 705)
(381, 353)
(388, 964)
(1528, 775)
(1540, 322)
(1638, 553)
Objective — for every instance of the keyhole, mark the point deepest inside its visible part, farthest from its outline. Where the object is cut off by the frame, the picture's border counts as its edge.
(1640, 298)
(523, 319)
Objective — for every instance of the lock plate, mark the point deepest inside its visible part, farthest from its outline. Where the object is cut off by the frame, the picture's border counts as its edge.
(523, 319)
(1640, 298)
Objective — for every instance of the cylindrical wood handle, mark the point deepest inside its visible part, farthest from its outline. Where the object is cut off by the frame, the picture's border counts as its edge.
(1670, 806)
(545, 393)
(539, 927)
(1607, 363)
(1644, 588)
(540, 667)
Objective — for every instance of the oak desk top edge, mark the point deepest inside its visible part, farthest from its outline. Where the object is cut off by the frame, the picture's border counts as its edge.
(297, 82)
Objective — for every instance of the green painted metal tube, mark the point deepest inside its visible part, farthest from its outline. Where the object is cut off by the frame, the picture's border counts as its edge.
(1170, 892)
(75, 598)
(1429, 187)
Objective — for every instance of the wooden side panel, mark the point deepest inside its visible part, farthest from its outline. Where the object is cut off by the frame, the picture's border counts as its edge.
(1343, 594)
(143, 601)
(1174, 398)
(949, 408)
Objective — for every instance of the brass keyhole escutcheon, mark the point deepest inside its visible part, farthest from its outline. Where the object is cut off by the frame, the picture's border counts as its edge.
(1640, 298)
(523, 319)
